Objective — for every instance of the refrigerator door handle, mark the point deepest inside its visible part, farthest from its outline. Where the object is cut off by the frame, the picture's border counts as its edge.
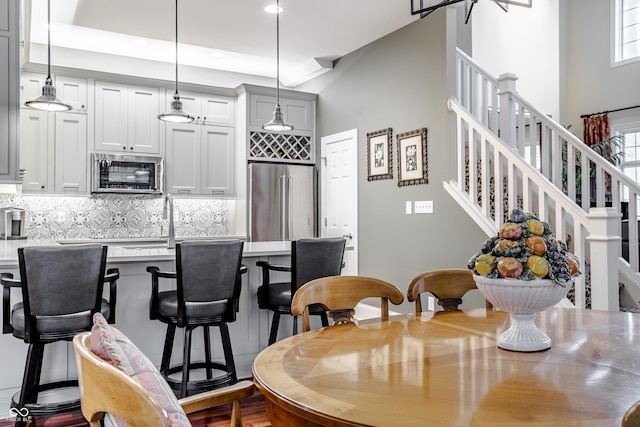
(284, 197)
(289, 207)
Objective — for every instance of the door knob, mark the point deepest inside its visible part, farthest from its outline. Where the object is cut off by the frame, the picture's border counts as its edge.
(347, 236)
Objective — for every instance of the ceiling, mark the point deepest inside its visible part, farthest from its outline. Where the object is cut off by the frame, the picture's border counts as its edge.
(312, 33)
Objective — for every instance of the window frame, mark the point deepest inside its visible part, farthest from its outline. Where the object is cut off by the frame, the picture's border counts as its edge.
(614, 31)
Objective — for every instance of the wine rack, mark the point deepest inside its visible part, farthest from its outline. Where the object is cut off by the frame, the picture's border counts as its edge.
(276, 146)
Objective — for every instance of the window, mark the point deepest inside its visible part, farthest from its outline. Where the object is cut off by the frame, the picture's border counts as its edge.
(630, 164)
(626, 31)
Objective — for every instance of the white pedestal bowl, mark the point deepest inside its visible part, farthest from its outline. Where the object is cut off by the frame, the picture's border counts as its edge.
(522, 299)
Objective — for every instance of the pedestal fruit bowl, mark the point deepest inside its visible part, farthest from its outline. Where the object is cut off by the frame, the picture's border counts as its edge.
(524, 270)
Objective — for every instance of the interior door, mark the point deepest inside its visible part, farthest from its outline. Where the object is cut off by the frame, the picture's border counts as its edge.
(339, 195)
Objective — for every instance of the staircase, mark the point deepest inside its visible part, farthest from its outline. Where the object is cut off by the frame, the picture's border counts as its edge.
(507, 154)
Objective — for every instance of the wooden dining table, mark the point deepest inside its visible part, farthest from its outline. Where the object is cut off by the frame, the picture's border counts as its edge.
(445, 369)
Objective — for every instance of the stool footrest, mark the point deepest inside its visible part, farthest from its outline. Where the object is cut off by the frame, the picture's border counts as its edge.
(227, 378)
(52, 407)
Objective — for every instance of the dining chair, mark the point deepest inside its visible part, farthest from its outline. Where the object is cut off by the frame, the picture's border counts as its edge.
(61, 289)
(339, 296)
(631, 418)
(310, 259)
(207, 292)
(119, 384)
(448, 286)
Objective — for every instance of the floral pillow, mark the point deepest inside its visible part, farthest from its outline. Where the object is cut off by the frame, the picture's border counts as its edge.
(114, 347)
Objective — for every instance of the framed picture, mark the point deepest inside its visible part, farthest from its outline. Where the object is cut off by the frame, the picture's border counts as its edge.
(412, 157)
(379, 154)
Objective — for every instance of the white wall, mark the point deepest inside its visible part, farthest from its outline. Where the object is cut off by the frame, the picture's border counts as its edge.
(525, 42)
(591, 84)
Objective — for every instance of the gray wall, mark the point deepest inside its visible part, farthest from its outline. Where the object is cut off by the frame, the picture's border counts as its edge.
(399, 82)
(588, 83)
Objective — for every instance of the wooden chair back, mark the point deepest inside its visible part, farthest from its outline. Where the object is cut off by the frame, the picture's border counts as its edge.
(339, 295)
(104, 389)
(449, 286)
(631, 418)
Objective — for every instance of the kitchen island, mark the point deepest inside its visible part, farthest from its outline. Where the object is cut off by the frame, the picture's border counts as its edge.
(249, 333)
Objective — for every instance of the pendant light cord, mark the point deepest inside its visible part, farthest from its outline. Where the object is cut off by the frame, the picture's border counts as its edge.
(49, 40)
(176, 94)
(278, 52)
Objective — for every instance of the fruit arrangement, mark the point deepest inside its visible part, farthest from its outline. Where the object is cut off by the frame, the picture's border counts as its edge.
(525, 249)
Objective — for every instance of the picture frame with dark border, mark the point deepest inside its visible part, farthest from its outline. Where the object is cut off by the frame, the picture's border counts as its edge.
(379, 154)
(412, 157)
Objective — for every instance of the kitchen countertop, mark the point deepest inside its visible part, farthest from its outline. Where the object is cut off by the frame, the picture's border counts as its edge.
(135, 250)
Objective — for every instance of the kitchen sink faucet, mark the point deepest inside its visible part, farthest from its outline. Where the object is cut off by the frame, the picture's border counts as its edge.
(168, 209)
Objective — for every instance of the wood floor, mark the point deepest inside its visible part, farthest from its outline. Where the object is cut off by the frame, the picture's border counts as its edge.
(252, 409)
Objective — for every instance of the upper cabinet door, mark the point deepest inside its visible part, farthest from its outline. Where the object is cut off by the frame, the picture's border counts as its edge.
(30, 87)
(71, 153)
(143, 120)
(110, 117)
(218, 160)
(296, 112)
(73, 92)
(190, 103)
(126, 118)
(205, 108)
(218, 110)
(36, 131)
(183, 153)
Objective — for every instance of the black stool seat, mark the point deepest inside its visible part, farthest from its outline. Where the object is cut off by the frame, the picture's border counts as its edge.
(61, 289)
(208, 281)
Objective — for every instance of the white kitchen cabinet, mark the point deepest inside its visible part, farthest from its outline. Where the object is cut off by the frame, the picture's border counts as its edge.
(206, 108)
(70, 90)
(200, 160)
(297, 112)
(70, 171)
(36, 130)
(9, 92)
(126, 118)
(73, 92)
(182, 160)
(53, 152)
(218, 160)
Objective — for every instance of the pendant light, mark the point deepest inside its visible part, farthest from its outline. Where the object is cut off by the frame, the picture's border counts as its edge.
(277, 124)
(176, 114)
(48, 100)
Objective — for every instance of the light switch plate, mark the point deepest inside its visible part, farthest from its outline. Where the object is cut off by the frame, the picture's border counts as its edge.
(431, 304)
(408, 207)
(425, 206)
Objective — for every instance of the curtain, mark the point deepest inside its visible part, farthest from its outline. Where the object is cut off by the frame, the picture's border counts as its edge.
(595, 129)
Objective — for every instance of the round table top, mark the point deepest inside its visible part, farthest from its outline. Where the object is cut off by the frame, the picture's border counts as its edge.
(446, 369)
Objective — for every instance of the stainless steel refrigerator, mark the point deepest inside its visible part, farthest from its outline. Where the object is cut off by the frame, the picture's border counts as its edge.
(282, 202)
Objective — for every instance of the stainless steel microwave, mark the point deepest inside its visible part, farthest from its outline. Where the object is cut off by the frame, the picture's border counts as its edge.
(127, 174)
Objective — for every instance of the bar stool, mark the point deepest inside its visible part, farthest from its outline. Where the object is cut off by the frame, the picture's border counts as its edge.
(61, 290)
(310, 259)
(208, 278)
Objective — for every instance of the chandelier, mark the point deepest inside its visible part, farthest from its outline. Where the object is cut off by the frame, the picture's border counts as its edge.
(426, 7)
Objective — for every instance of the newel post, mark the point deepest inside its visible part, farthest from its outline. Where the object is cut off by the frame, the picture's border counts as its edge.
(507, 86)
(604, 242)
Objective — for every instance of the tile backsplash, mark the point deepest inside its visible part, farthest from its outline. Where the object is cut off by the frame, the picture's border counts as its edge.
(112, 216)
